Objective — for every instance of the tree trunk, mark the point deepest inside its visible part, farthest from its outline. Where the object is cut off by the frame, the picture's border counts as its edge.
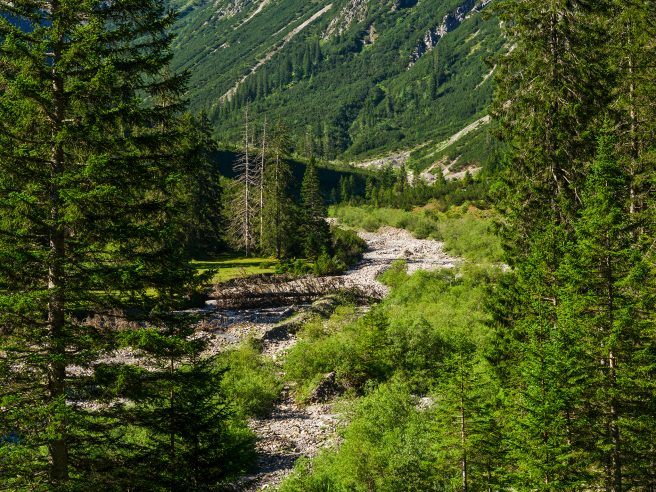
(277, 213)
(616, 461)
(57, 446)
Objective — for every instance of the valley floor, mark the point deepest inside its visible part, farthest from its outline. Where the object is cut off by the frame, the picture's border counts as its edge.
(292, 431)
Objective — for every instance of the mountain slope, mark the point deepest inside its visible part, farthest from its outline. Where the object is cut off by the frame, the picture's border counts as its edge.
(350, 78)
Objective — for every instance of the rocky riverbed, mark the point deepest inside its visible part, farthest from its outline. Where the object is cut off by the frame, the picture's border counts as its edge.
(388, 245)
(293, 431)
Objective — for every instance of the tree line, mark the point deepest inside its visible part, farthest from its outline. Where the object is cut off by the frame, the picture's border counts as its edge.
(400, 188)
(101, 179)
(574, 319)
(261, 211)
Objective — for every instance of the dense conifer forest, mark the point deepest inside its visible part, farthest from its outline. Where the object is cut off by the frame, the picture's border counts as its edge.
(182, 282)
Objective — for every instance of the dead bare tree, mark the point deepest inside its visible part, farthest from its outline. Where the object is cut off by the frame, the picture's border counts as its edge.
(261, 176)
(243, 211)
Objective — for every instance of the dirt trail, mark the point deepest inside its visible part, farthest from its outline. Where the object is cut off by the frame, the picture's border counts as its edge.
(292, 431)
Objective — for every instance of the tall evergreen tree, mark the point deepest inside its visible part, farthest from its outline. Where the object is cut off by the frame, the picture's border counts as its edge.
(577, 314)
(315, 231)
(89, 222)
(202, 188)
(468, 448)
(279, 210)
(632, 68)
(608, 283)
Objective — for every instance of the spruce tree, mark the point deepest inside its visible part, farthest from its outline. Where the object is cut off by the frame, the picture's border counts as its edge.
(608, 285)
(552, 89)
(467, 442)
(201, 188)
(279, 212)
(89, 223)
(632, 70)
(315, 232)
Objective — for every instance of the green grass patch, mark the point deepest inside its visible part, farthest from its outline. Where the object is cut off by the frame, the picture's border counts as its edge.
(229, 266)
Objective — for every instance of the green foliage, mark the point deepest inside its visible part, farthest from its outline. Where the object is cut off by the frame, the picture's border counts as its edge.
(380, 99)
(196, 441)
(392, 189)
(428, 338)
(249, 380)
(386, 447)
(202, 189)
(466, 231)
(408, 334)
(279, 214)
(347, 246)
(569, 318)
(314, 228)
(94, 198)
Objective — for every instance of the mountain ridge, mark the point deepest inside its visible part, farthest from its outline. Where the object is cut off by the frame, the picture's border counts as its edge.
(352, 79)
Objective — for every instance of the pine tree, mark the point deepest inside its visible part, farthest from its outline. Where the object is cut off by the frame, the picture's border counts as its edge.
(552, 87)
(632, 70)
(89, 222)
(193, 439)
(279, 210)
(468, 448)
(203, 223)
(315, 232)
(608, 284)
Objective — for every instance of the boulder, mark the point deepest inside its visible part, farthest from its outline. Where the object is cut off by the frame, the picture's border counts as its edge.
(327, 389)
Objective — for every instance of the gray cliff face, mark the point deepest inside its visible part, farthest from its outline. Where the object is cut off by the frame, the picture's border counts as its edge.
(354, 11)
(450, 22)
(230, 8)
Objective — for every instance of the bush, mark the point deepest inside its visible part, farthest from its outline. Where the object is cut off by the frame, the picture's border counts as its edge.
(387, 447)
(294, 266)
(250, 381)
(396, 274)
(429, 337)
(354, 348)
(348, 247)
(328, 265)
(408, 334)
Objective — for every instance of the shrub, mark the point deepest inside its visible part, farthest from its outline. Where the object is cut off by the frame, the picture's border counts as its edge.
(328, 265)
(354, 348)
(250, 381)
(387, 447)
(347, 246)
(294, 266)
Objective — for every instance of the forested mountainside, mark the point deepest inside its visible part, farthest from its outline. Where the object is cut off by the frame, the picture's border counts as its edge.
(350, 78)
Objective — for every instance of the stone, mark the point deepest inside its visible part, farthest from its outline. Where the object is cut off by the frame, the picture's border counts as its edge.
(327, 389)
